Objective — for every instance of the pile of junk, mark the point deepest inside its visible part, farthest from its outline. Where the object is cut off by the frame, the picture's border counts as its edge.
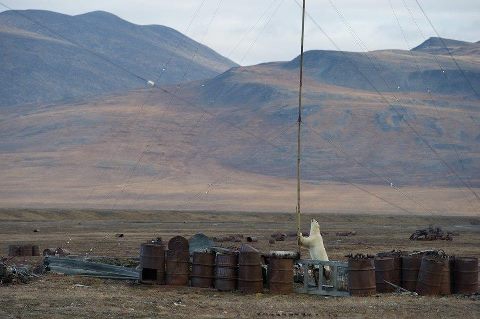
(198, 262)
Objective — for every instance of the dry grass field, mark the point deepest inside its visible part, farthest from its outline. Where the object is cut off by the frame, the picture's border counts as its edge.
(93, 232)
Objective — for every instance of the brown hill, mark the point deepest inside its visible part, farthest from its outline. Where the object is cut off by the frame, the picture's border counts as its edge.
(229, 143)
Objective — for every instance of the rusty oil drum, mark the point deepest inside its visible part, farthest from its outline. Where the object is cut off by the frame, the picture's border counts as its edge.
(35, 250)
(361, 277)
(152, 263)
(177, 268)
(384, 270)
(202, 270)
(226, 267)
(430, 276)
(280, 275)
(465, 274)
(410, 269)
(14, 250)
(250, 279)
(446, 281)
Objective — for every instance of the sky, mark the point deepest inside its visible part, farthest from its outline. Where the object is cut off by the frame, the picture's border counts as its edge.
(256, 31)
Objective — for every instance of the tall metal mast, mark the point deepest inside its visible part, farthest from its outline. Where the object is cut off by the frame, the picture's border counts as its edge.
(299, 121)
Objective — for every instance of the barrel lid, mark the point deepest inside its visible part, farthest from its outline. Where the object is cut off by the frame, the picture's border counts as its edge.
(178, 243)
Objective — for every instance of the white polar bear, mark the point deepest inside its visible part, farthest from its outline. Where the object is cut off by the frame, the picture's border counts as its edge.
(314, 243)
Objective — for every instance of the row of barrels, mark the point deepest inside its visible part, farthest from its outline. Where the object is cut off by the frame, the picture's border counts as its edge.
(425, 275)
(23, 250)
(225, 272)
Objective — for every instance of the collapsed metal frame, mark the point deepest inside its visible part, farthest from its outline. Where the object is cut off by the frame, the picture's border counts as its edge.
(322, 288)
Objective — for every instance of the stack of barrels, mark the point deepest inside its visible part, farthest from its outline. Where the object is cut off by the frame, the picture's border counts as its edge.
(226, 271)
(426, 274)
(26, 250)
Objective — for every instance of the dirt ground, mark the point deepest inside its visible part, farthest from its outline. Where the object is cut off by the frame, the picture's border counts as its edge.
(94, 233)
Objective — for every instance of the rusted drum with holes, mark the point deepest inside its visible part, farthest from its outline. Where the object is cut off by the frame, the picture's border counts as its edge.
(202, 269)
(226, 267)
(410, 269)
(445, 282)
(361, 277)
(384, 271)
(250, 279)
(429, 276)
(280, 275)
(178, 243)
(465, 275)
(177, 268)
(152, 263)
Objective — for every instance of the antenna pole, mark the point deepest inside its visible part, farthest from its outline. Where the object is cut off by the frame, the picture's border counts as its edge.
(299, 121)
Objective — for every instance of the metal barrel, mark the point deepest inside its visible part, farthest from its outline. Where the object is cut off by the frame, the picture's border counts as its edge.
(250, 279)
(14, 250)
(280, 275)
(446, 282)
(226, 267)
(361, 277)
(26, 250)
(465, 275)
(429, 276)
(384, 270)
(397, 270)
(177, 268)
(202, 270)
(396, 275)
(410, 269)
(152, 263)
(35, 250)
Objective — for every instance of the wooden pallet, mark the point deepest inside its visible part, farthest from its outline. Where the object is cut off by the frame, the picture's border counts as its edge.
(335, 286)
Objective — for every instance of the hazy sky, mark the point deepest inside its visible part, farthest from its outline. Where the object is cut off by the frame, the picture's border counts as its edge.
(254, 31)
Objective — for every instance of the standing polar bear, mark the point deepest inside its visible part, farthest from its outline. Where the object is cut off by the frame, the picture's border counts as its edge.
(314, 243)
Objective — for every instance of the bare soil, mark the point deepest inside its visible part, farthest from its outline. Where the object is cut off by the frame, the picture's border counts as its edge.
(94, 232)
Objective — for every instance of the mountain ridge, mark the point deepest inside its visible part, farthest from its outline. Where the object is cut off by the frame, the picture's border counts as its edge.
(62, 71)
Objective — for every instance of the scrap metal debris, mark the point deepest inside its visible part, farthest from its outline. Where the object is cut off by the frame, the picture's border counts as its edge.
(432, 233)
(13, 274)
(56, 252)
(73, 266)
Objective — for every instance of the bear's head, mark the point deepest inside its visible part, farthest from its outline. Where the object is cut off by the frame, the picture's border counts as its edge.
(314, 227)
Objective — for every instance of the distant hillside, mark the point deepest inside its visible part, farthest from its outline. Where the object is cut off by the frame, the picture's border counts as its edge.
(38, 66)
(437, 46)
(231, 140)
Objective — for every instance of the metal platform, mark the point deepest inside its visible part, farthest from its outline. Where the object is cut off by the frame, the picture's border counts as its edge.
(335, 286)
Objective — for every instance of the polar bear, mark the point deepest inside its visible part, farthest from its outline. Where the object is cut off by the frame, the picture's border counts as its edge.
(314, 243)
